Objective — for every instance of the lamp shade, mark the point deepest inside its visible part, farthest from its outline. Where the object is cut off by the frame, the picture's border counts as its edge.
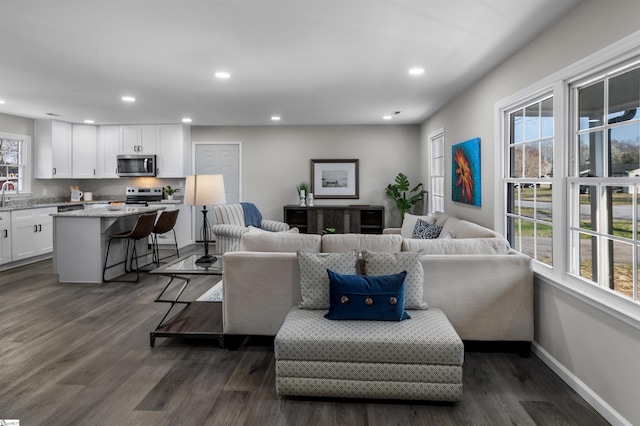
(204, 190)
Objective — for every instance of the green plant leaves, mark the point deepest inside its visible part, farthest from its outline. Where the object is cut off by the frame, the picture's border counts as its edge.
(398, 192)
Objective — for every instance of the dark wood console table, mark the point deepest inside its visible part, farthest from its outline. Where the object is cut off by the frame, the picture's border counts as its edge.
(357, 219)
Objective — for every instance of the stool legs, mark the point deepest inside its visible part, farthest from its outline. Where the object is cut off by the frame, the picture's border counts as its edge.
(128, 262)
(156, 248)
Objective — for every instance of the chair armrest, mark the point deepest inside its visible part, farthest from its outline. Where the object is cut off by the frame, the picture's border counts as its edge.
(274, 226)
(391, 230)
(226, 230)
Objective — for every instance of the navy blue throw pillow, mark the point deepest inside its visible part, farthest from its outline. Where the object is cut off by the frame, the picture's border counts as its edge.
(366, 297)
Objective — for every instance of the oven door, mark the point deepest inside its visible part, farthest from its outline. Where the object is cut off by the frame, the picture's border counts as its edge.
(136, 165)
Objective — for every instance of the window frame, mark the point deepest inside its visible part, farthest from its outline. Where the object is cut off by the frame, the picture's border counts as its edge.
(433, 193)
(28, 164)
(558, 84)
(537, 181)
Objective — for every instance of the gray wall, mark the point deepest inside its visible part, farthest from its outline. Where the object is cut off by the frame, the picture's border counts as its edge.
(593, 348)
(277, 158)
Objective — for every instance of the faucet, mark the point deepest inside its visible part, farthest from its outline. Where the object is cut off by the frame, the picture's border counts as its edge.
(4, 187)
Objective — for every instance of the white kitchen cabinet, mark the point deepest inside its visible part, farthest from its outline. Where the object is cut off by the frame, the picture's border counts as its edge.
(5, 237)
(138, 139)
(108, 149)
(172, 150)
(32, 232)
(53, 149)
(84, 151)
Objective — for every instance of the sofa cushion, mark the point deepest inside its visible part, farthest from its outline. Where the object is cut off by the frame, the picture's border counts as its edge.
(427, 339)
(289, 242)
(394, 263)
(424, 230)
(334, 243)
(478, 246)
(366, 297)
(464, 229)
(314, 280)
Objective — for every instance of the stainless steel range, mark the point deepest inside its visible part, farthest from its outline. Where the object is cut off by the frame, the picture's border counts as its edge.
(142, 196)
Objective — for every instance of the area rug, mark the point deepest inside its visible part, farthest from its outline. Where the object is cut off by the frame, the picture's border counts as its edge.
(214, 294)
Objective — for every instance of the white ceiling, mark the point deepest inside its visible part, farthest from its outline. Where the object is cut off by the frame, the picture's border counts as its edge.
(309, 61)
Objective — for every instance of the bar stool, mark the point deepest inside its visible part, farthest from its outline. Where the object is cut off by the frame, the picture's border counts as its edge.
(166, 222)
(142, 230)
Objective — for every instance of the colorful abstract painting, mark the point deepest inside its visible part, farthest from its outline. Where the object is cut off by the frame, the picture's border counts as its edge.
(465, 172)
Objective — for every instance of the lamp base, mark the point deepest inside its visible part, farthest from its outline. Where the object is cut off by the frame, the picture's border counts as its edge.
(207, 259)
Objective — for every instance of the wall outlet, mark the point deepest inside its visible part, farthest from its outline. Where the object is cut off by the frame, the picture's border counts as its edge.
(44, 191)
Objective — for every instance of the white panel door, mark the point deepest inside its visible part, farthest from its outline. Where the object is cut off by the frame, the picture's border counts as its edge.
(213, 158)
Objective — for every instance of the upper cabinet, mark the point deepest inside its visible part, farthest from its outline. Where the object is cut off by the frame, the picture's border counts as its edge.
(173, 150)
(53, 149)
(108, 149)
(84, 151)
(138, 139)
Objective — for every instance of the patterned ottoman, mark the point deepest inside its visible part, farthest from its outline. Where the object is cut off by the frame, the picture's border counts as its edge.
(419, 358)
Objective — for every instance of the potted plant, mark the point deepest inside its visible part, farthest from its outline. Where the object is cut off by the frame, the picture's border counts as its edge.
(170, 191)
(303, 187)
(404, 198)
(303, 191)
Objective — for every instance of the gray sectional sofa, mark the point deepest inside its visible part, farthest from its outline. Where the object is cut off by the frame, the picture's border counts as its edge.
(484, 288)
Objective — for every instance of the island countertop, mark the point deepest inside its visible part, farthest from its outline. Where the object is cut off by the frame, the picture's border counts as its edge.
(104, 212)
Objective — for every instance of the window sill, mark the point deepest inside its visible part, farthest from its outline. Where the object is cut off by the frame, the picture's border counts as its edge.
(604, 300)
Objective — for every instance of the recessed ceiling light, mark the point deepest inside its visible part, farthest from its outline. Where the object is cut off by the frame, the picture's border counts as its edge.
(416, 71)
(186, 120)
(128, 99)
(89, 121)
(275, 118)
(222, 74)
(387, 117)
(2, 101)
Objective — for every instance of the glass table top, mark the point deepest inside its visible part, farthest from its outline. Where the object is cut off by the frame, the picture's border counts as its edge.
(188, 265)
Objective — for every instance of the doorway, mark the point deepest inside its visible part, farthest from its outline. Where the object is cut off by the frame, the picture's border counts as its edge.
(223, 158)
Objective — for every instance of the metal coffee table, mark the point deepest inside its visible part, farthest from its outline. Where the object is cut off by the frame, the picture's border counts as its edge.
(196, 319)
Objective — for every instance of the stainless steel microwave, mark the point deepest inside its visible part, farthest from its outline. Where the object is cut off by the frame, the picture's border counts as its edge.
(136, 165)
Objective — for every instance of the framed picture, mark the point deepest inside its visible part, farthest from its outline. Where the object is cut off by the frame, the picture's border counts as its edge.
(334, 178)
(465, 172)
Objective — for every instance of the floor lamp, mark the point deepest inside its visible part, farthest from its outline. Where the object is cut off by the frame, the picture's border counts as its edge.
(203, 190)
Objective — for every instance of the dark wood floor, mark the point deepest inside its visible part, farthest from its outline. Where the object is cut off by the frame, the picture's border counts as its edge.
(78, 354)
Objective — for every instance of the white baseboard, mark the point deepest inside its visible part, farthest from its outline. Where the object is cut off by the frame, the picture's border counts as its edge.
(598, 404)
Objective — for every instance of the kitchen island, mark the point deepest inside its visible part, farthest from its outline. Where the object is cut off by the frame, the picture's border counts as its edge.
(80, 240)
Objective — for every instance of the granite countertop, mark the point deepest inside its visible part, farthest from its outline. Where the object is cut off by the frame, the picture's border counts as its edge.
(44, 203)
(40, 205)
(104, 212)
(166, 202)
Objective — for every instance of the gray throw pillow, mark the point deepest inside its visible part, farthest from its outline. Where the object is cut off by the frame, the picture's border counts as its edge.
(394, 263)
(314, 279)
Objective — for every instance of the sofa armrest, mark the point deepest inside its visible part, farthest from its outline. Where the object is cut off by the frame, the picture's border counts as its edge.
(274, 226)
(485, 297)
(259, 289)
(226, 230)
(391, 230)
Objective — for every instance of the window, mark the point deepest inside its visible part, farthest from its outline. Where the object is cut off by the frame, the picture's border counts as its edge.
(529, 179)
(13, 159)
(604, 188)
(437, 172)
(568, 187)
